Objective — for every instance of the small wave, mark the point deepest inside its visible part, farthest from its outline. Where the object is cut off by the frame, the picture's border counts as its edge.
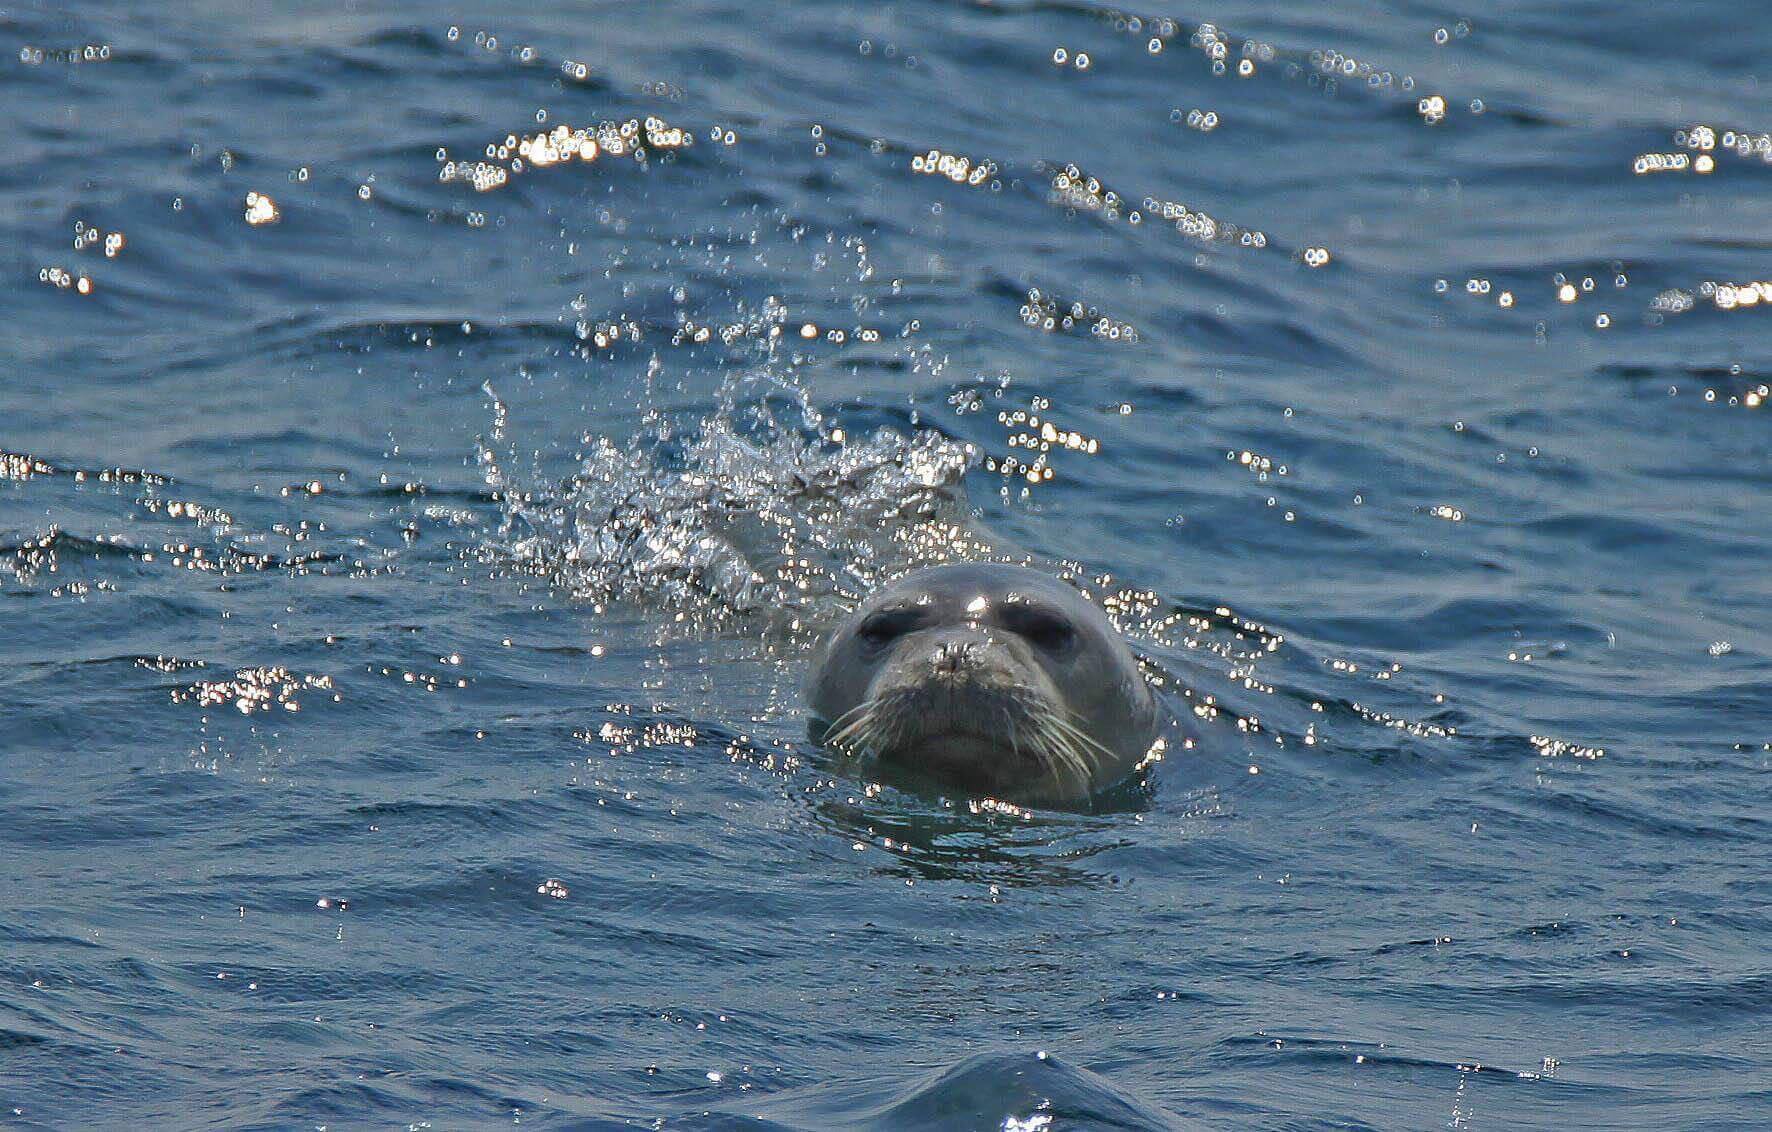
(1011, 1092)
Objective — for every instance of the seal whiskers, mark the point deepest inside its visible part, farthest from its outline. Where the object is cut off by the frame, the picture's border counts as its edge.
(850, 732)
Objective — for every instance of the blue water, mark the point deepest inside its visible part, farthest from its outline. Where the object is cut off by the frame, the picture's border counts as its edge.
(403, 600)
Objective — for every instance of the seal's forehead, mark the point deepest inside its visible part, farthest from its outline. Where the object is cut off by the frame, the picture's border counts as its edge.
(975, 587)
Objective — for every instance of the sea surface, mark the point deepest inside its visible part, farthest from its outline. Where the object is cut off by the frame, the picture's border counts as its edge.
(434, 437)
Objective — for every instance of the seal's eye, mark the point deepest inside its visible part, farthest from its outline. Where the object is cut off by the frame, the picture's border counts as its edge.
(887, 625)
(1040, 627)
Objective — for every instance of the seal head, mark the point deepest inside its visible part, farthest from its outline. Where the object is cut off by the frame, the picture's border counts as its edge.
(998, 680)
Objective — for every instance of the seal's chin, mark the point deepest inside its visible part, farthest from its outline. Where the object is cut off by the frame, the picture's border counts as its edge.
(980, 763)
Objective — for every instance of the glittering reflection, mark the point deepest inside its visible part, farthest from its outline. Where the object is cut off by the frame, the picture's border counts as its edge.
(1204, 121)
(1566, 289)
(1732, 386)
(958, 168)
(1736, 296)
(1046, 312)
(1674, 300)
(1259, 465)
(1330, 70)
(1706, 142)
(1033, 442)
(33, 56)
(1660, 163)
(1246, 690)
(261, 209)
(46, 553)
(1698, 148)
(19, 466)
(1550, 748)
(1064, 57)
(563, 145)
(167, 531)
(191, 510)
(1199, 225)
(486, 43)
(1609, 285)
(90, 236)
(261, 689)
(64, 280)
(1073, 188)
(1213, 44)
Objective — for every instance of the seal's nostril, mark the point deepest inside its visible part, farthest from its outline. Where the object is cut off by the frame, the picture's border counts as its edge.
(951, 656)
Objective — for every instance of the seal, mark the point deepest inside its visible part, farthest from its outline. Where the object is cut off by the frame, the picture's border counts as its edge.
(999, 680)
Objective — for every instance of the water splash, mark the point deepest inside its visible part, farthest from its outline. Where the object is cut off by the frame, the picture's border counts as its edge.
(762, 509)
